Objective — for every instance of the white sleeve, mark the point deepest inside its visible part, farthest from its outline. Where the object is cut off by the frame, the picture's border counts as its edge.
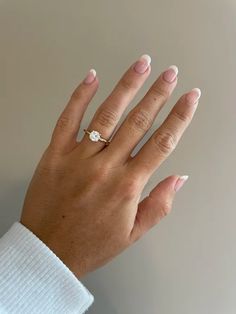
(34, 280)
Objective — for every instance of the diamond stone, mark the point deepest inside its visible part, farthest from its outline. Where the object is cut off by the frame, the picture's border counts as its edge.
(94, 136)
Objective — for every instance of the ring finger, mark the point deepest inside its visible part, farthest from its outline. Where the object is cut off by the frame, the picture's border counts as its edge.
(108, 114)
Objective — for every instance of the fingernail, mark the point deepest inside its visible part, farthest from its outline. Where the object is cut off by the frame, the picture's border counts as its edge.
(180, 182)
(142, 64)
(170, 74)
(90, 77)
(193, 96)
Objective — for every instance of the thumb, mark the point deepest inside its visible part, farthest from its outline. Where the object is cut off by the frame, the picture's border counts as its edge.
(156, 205)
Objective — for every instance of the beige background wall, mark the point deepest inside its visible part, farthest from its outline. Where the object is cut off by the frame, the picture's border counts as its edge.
(187, 263)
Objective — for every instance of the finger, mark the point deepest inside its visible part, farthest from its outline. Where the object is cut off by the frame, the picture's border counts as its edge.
(156, 205)
(141, 117)
(65, 132)
(108, 114)
(166, 137)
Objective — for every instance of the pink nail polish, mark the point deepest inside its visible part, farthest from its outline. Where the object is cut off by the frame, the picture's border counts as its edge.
(180, 182)
(193, 96)
(90, 77)
(142, 64)
(170, 74)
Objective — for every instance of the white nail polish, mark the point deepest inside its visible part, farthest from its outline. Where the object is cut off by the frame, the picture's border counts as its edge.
(180, 182)
(146, 57)
(174, 68)
(185, 178)
(93, 72)
(142, 64)
(198, 91)
(90, 76)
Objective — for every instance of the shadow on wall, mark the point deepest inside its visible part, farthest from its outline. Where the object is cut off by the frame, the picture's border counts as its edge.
(101, 304)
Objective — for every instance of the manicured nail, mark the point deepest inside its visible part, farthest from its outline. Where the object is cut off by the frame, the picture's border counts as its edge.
(90, 77)
(180, 182)
(142, 64)
(193, 96)
(170, 74)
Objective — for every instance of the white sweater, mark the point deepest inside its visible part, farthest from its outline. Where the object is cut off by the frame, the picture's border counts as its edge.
(34, 280)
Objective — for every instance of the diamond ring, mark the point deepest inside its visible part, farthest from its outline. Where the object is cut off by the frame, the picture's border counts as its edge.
(95, 136)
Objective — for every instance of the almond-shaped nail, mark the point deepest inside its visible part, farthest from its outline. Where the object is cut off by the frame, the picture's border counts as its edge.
(170, 74)
(142, 64)
(193, 96)
(90, 77)
(180, 182)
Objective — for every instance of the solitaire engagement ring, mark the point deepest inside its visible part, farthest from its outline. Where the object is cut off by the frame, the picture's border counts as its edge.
(95, 136)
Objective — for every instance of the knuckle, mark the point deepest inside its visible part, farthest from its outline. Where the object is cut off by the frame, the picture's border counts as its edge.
(64, 123)
(129, 189)
(51, 171)
(159, 92)
(182, 116)
(165, 209)
(51, 166)
(135, 237)
(165, 142)
(140, 120)
(101, 170)
(107, 117)
(77, 93)
(99, 174)
(127, 84)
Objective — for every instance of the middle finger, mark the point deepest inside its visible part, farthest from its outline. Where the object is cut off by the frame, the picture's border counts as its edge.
(141, 117)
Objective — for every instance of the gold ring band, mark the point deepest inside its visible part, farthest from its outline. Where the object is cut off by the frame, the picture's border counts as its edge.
(95, 136)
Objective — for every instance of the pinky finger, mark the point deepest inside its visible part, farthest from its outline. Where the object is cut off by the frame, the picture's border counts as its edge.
(64, 135)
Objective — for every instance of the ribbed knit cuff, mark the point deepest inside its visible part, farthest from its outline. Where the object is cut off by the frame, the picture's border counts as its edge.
(34, 280)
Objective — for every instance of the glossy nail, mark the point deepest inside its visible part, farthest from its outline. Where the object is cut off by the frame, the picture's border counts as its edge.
(180, 182)
(170, 74)
(142, 64)
(90, 77)
(193, 96)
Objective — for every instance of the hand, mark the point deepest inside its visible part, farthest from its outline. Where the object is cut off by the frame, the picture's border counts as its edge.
(83, 198)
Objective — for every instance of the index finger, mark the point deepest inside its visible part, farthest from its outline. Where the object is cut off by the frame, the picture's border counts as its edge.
(165, 139)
